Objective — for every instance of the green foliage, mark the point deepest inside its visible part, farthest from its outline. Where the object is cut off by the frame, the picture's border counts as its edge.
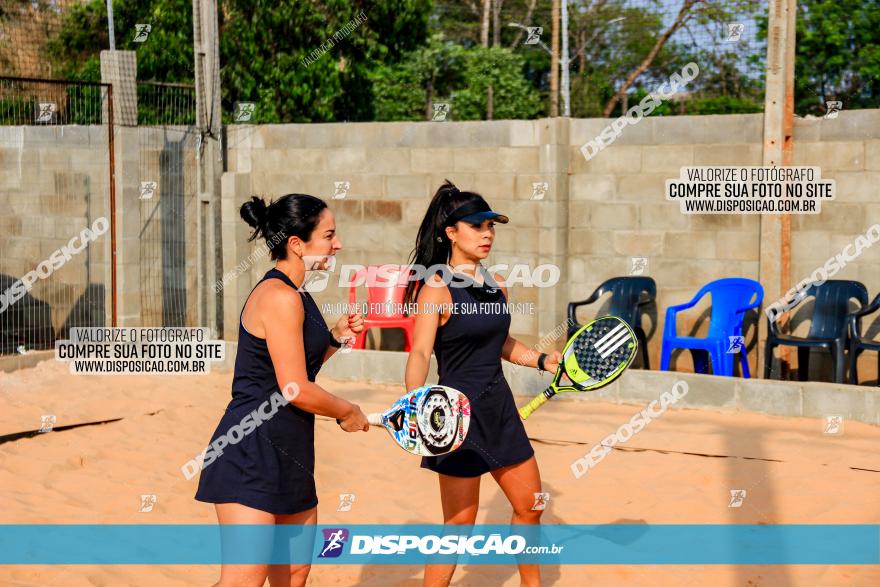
(294, 61)
(837, 55)
(513, 96)
(722, 105)
(263, 46)
(166, 55)
(401, 91)
(615, 52)
(389, 67)
(458, 76)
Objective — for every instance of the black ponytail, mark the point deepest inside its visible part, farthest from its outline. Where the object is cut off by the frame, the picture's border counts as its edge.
(432, 245)
(290, 215)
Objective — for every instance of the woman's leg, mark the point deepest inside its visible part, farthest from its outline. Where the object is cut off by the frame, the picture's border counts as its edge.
(242, 575)
(295, 575)
(460, 497)
(520, 483)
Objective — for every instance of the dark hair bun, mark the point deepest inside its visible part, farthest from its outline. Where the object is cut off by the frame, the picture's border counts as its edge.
(290, 215)
(255, 213)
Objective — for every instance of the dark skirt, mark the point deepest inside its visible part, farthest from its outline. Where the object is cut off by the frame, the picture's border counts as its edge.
(270, 469)
(496, 437)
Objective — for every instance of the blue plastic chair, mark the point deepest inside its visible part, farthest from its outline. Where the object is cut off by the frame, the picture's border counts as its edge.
(731, 299)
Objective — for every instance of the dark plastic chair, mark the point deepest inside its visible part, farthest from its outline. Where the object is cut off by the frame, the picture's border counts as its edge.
(857, 344)
(732, 297)
(828, 326)
(629, 296)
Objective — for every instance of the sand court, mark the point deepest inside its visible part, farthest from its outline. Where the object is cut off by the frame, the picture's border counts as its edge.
(680, 469)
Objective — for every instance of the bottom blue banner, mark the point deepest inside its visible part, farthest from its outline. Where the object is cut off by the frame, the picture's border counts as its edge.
(358, 544)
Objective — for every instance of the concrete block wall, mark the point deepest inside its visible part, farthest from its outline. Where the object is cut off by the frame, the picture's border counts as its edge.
(618, 211)
(168, 230)
(847, 149)
(53, 184)
(596, 216)
(394, 169)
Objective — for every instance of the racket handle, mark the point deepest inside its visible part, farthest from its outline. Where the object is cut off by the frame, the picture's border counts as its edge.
(374, 419)
(538, 401)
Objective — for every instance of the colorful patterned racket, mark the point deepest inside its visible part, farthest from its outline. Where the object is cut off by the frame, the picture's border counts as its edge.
(594, 357)
(430, 420)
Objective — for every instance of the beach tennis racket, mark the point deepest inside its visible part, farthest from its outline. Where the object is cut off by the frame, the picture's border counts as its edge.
(429, 421)
(593, 357)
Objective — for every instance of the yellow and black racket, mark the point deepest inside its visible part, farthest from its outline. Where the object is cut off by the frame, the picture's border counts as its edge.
(593, 357)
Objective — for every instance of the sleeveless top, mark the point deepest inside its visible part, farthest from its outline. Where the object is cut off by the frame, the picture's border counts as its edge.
(468, 350)
(272, 468)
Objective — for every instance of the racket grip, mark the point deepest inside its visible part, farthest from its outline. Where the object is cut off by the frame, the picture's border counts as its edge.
(538, 401)
(374, 419)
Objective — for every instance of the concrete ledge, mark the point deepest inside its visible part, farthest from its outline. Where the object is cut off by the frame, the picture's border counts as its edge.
(10, 363)
(775, 398)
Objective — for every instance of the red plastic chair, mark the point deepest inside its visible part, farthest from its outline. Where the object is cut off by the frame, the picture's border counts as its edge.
(384, 288)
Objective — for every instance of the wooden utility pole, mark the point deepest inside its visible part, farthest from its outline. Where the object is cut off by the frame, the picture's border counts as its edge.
(565, 63)
(488, 12)
(206, 55)
(554, 61)
(496, 22)
(775, 243)
(484, 24)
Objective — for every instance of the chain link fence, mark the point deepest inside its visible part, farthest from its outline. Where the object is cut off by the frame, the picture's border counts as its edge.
(168, 146)
(56, 153)
(54, 210)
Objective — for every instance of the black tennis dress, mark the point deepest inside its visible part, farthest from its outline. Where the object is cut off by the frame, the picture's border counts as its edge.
(468, 350)
(272, 468)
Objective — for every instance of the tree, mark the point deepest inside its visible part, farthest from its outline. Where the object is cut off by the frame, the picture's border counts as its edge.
(837, 55)
(263, 50)
(511, 96)
(408, 90)
(446, 72)
(166, 55)
(265, 45)
(611, 43)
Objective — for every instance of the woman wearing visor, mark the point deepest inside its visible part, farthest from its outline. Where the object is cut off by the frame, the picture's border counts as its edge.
(458, 230)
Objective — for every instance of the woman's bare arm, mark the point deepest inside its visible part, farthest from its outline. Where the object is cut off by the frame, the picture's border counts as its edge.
(427, 321)
(515, 351)
(282, 313)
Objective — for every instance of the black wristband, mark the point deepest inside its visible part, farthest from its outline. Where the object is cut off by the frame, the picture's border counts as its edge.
(333, 342)
(541, 358)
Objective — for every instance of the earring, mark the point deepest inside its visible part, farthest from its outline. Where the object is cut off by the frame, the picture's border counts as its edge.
(439, 240)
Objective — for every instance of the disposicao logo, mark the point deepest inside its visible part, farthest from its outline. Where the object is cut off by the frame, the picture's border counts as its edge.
(334, 541)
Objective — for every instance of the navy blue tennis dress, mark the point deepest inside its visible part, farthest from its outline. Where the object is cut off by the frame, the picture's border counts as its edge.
(272, 468)
(468, 350)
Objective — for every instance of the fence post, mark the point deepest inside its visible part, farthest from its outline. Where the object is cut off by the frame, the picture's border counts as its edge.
(774, 245)
(119, 68)
(206, 58)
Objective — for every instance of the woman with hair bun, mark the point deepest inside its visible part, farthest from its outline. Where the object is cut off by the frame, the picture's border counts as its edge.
(266, 476)
(456, 234)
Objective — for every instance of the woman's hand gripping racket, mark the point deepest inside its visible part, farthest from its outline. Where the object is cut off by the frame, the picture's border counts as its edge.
(429, 421)
(594, 357)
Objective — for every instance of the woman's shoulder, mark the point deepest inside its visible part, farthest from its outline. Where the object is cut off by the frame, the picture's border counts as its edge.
(275, 293)
(434, 290)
